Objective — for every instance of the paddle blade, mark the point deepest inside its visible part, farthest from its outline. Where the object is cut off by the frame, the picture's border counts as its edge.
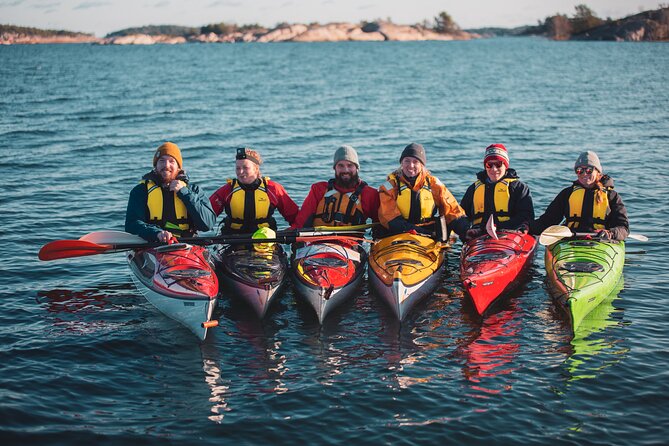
(491, 228)
(113, 238)
(553, 234)
(63, 249)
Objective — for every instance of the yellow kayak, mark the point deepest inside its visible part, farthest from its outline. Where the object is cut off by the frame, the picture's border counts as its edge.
(405, 268)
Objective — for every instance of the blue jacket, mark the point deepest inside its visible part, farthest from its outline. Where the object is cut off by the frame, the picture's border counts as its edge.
(200, 214)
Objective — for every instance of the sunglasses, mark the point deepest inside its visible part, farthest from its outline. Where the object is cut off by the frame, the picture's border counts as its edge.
(491, 164)
(586, 170)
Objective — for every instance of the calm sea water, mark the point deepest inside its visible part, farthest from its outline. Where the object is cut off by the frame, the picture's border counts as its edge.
(85, 358)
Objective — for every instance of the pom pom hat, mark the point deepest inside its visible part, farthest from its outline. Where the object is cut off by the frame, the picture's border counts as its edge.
(496, 152)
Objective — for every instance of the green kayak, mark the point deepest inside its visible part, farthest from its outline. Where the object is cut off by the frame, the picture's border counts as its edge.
(581, 273)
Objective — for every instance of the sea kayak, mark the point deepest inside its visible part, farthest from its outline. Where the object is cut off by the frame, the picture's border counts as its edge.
(490, 268)
(180, 281)
(255, 276)
(581, 273)
(327, 274)
(405, 268)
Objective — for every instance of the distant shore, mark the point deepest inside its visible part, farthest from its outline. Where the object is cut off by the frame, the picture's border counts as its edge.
(584, 25)
(331, 32)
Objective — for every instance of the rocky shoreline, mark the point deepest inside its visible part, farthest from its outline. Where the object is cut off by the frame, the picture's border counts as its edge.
(331, 32)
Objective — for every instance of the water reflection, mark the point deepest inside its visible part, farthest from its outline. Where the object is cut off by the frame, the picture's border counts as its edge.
(416, 340)
(596, 345)
(490, 350)
(88, 310)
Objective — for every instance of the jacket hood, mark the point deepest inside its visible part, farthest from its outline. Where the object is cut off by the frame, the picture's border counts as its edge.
(510, 173)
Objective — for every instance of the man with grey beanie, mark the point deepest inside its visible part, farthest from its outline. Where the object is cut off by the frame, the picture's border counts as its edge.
(589, 205)
(344, 200)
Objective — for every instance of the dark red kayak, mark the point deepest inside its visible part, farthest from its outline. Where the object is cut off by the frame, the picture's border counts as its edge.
(490, 268)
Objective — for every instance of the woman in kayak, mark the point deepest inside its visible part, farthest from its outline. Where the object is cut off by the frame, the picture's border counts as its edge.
(497, 192)
(249, 200)
(589, 205)
(411, 198)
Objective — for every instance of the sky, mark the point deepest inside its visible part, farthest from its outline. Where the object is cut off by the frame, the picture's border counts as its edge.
(101, 17)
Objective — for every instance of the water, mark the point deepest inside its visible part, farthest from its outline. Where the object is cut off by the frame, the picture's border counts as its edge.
(86, 358)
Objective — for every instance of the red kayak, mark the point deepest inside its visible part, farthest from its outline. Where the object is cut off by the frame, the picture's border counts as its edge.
(489, 268)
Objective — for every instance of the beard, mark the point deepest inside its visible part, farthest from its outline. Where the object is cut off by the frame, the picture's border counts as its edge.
(167, 176)
(349, 182)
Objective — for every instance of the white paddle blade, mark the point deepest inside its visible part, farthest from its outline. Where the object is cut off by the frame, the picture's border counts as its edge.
(113, 238)
(491, 228)
(554, 234)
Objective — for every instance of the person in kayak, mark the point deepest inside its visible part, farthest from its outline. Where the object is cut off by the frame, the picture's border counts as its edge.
(589, 205)
(344, 200)
(249, 200)
(497, 191)
(412, 197)
(165, 203)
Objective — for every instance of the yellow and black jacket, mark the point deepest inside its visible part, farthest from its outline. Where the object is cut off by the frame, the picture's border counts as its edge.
(509, 200)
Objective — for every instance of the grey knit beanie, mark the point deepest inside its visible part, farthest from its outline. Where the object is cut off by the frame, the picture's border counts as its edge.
(346, 153)
(590, 159)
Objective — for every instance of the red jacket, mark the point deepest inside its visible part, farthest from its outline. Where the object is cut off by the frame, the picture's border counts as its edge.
(278, 197)
(369, 200)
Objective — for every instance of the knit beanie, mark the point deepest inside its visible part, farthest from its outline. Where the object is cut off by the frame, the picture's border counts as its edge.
(414, 150)
(496, 152)
(346, 153)
(590, 159)
(171, 149)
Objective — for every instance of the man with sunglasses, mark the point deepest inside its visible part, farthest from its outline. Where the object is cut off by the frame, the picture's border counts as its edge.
(589, 205)
(497, 191)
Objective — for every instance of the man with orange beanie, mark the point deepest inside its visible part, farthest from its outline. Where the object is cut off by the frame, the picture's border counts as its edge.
(165, 204)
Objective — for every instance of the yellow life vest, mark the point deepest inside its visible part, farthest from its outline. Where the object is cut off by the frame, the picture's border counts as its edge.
(577, 203)
(340, 209)
(415, 206)
(171, 216)
(249, 209)
(501, 200)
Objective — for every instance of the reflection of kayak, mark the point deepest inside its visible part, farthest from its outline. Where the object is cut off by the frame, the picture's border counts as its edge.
(327, 274)
(581, 273)
(256, 277)
(593, 347)
(490, 268)
(179, 280)
(404, 268)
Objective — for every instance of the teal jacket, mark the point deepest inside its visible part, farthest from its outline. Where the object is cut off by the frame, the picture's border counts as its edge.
(200, 214)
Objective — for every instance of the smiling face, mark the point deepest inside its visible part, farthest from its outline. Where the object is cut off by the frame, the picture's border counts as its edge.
(346, 173)
(495, 170)
(587, 176)
(167, 168)
(411, 166)
(247, 171)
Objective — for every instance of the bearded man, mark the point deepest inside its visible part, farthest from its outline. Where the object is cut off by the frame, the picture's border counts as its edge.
(165, 203)
(344, 200)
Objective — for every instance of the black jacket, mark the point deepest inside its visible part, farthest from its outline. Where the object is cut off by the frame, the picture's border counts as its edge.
(521, 209)
(616, 215)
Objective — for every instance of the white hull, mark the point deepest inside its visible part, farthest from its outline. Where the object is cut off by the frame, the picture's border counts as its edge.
(320, 301)
(401, 298)
(191, 313)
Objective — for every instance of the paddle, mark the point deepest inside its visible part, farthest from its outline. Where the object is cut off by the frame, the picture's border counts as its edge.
(555, 233)
(490, 227)
(62, 249)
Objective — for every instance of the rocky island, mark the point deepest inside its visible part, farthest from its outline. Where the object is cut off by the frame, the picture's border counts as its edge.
(583, 25)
